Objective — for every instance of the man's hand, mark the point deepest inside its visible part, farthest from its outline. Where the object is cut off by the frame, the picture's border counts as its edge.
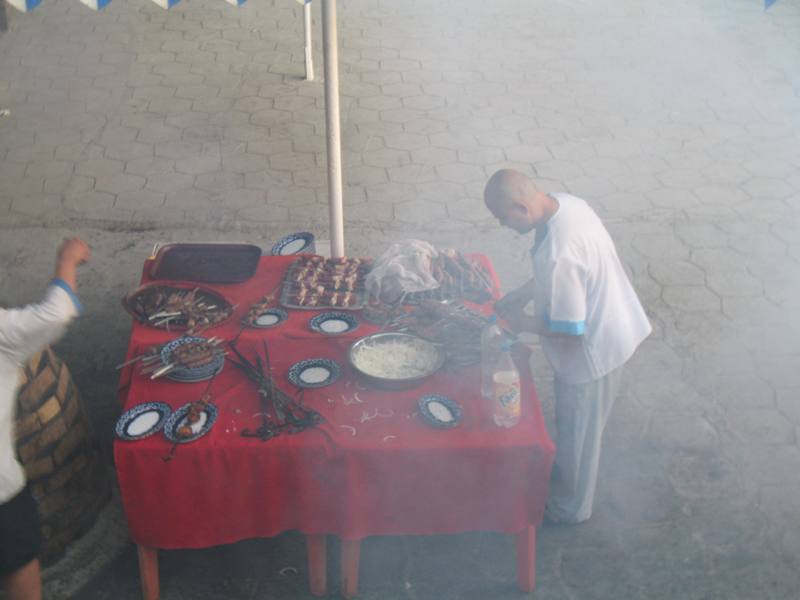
(73, 251)
(522, 322)
(515, 300)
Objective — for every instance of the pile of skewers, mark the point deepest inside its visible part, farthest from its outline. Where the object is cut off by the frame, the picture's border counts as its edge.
(176, 308)
(448, 323)
(317, 282)
(279, 412)
(191, 355)
(459, 279)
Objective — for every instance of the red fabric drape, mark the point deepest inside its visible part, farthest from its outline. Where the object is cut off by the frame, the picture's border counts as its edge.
(397, 475)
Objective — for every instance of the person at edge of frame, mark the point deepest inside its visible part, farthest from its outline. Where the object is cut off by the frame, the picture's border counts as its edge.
(23, 332)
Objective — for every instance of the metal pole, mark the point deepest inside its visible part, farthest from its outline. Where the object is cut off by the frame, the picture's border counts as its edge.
(330, 47)
(309, 57)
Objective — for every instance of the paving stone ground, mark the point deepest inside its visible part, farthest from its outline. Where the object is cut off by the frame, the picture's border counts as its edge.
(676, 120)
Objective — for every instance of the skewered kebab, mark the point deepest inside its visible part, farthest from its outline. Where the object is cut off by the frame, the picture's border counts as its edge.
(258, 309)
(315, 282)
(196, 409)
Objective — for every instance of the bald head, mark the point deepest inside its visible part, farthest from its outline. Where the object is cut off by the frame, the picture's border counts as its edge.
(516, 201)
(507, 186)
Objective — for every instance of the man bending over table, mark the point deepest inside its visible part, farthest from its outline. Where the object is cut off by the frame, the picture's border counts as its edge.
(24, 332)
(589, 319)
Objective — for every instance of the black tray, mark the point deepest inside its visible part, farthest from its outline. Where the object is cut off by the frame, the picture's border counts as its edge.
(206, 262)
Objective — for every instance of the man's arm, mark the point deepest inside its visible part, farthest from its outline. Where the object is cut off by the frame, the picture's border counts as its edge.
(24, 331)
(515, 300)
(522, 322)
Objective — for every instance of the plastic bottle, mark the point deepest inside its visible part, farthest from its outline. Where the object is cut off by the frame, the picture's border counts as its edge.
(506, 406)
(491, 341)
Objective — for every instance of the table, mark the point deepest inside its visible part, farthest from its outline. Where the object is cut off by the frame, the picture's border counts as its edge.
(395, 476)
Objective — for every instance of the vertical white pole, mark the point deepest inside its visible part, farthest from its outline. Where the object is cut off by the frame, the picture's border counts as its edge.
(330, 46)
(309, 56)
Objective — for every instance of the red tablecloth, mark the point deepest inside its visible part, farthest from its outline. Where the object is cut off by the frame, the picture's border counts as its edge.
(397, 475)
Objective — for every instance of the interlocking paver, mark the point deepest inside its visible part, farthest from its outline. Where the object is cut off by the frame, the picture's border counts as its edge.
(461, 173)
(149, 166)
(196, 165)
(118, 183)
(219, 182)
(267, 179)
(35, 205)
(128, 150)
(686, 298)
(169, 182)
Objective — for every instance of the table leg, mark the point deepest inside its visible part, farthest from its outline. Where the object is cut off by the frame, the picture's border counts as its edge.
(526, 559)
(316, 545)
(148, 572)
(351, 553)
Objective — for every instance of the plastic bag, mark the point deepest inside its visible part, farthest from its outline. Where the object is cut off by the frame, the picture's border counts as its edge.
(403, 269)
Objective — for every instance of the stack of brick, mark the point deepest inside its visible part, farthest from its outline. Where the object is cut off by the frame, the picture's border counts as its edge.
(54, 442)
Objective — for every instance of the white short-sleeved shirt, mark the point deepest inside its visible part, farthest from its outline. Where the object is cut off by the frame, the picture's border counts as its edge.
(23, 332)
(581, 289)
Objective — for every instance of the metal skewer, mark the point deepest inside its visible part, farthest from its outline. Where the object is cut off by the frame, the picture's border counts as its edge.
(162, 371)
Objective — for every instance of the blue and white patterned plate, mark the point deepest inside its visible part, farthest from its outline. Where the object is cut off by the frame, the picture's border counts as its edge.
(190, 374)
(439, 411)
(314, 372)
(208, 417)
(272, 317)
(142, 420)
(295, 243)
(333, 323)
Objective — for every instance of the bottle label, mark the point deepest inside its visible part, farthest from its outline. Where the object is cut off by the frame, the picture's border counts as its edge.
(507, 400)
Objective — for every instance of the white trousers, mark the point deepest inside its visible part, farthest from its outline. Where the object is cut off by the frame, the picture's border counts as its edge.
(582, 411)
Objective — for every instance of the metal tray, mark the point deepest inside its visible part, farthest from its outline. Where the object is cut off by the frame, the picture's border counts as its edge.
(206, 262)
(288, 288)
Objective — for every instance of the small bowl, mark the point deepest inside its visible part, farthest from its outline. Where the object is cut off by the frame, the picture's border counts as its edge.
(439, 411)
(319, 366)
(333, 323)
(271, 317)
(301, 242)
(390, 344)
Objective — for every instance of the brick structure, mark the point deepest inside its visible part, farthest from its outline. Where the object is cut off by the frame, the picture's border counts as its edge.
(54, 444)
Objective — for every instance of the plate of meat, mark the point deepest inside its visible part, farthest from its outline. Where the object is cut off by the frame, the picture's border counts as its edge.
(190, 422)
(192, 359)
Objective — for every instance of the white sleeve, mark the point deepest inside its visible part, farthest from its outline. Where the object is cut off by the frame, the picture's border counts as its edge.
(25, 331)
(567, 312)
